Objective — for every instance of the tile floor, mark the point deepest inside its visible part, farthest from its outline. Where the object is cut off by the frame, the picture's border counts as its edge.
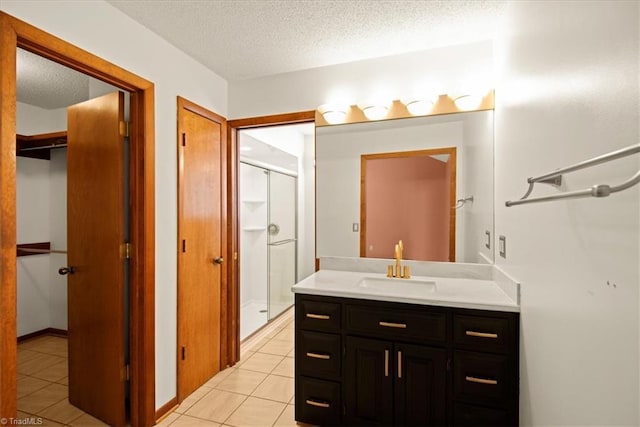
(42, 384)
(257, 391)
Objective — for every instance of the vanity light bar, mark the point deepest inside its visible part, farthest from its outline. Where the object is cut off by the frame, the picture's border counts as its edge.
(328, 115)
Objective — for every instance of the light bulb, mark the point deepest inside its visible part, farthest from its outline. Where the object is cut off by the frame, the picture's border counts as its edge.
(333, 114)
(419, 107)
(468, 102)
(375, 112)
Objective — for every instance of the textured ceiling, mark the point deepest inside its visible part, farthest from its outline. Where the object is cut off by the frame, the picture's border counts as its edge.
(242, 39)
(49, 85)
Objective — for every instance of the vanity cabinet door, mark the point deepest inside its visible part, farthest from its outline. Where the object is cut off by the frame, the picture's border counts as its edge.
(368, 381)
(420, 385)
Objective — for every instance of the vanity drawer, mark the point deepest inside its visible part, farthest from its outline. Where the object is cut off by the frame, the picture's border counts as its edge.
(484, 333)
(318, 354)
(397, 324)
(318, 315)
(471, 415)
(483, 378)
(318, 402)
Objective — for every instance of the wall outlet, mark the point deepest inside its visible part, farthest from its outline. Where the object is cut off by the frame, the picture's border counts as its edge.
(502, 246)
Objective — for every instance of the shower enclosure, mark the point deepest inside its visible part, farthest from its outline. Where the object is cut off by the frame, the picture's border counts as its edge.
(268, 245)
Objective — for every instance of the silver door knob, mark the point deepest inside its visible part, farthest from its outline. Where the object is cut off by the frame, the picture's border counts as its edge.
(218, 260)
(66, 270)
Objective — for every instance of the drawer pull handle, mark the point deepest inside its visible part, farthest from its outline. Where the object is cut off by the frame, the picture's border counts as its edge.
(318, 404)
(386, 363)
(393, 325)
(481, 380)
(481, 334)
(318, 316)
(399, 365)
(319, 356)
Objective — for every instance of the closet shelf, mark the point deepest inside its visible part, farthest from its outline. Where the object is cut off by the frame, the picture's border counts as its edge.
(254, 228)
(40, 146)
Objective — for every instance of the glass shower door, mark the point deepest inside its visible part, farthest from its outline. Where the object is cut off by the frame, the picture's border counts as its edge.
(282, 241)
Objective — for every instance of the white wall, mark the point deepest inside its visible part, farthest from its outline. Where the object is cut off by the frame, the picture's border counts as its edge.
(33, 204)
(569, 91)
(33, 120)
(307, 211)
(32, 212)
(58, 237)
(476, 217)
(102, 30)
(445, 70)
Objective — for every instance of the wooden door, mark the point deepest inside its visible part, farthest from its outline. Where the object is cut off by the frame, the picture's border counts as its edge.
(95, 234)
(200, 247)
(420, 385)
(369, 381)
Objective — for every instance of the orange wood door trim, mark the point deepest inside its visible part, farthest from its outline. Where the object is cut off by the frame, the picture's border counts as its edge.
(15, 33)
(233, 224)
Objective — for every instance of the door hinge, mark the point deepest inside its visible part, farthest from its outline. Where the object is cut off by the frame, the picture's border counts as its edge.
(124, 129)
(184, 245)
(448, 364)
(184, 352)
(235, 256)
(125, 251)
(127, 373)
(184, 139)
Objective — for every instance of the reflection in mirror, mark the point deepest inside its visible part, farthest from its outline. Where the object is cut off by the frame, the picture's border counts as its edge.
(421, 185)
(415, 196)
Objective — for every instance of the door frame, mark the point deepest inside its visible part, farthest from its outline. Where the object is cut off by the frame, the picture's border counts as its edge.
(184, 104)
(14, 34)
(233, 225)
(451, 151)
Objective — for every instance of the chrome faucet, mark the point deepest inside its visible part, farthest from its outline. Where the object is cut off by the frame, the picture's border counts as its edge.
(399, 271)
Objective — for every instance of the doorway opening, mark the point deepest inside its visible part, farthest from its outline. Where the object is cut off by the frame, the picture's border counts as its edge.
(275, 217)
(69, 321)
(140, 249)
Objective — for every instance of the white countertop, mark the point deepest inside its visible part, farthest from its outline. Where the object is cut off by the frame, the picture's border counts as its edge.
(448, 292)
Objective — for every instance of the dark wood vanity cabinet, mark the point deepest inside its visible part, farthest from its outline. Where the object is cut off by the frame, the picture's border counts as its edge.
(362, 362)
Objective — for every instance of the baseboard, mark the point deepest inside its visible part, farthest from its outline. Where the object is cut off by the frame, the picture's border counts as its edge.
(46, 331)
(165, 410)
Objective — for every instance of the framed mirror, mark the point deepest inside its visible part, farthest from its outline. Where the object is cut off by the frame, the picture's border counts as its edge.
(427, 181)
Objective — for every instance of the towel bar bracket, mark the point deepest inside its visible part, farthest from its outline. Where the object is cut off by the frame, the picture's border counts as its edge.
(556, 181)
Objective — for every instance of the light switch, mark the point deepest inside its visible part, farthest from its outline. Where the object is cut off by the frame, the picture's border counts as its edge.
(356, 227)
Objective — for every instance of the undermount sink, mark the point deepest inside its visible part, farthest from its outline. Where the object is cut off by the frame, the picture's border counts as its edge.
(403, 286)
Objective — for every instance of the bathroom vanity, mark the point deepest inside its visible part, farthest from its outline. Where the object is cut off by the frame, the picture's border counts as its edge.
(419, 351)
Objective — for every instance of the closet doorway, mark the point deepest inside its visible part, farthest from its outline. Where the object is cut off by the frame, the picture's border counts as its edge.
(98, 163)
(72, 222)
(274, 168)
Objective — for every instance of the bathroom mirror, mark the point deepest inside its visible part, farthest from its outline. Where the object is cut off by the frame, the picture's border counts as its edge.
(454, 151)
